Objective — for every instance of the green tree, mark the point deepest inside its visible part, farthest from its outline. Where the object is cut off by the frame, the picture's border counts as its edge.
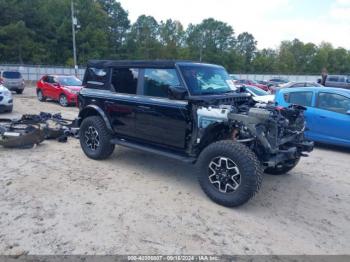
(143, 39)
(118, 26)
(246, 46)
(171, 38)
(210, 40)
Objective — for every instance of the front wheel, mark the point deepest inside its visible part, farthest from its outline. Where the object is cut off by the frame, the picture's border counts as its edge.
(63, 100)
(229, 173)
(282, 168)
(95, 138)
(19, 92)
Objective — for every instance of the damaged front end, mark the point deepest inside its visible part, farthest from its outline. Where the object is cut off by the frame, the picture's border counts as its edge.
(274, 134)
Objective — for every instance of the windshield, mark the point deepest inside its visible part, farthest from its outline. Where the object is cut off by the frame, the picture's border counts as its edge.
(13, 75)
(207, 80)
(257, 91)
(69, 81)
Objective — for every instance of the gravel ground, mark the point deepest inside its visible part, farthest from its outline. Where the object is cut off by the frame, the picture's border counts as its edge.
(54, 200)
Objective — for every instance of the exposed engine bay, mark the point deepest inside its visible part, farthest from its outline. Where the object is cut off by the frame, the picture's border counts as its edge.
(275, 134)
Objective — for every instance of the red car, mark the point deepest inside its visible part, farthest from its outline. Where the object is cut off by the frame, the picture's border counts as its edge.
(62, 88)
(253, 83)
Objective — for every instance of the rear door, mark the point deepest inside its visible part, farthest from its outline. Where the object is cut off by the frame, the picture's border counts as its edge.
(159, 119)
(121, 103)
(49, 87)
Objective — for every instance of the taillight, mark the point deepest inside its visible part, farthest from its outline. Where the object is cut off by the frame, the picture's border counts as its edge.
(1, 81)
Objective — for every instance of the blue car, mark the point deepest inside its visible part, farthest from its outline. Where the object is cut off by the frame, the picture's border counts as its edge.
(327, 115)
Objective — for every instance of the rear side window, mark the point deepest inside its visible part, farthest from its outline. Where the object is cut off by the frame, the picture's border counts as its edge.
(124, 80)
(96, 78)
(157, 82)
(299, 98)
(11, 75)
(333, 102)
(299, 85)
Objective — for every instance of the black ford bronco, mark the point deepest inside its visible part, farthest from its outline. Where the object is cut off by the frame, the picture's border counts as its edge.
(191, 112)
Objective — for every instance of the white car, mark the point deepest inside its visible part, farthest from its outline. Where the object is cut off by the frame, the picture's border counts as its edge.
(6, 100)
(260, 95)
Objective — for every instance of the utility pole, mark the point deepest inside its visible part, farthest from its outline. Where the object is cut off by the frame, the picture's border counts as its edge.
(74, 23)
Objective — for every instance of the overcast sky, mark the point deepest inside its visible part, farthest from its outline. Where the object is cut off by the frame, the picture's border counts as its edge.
(270, 21)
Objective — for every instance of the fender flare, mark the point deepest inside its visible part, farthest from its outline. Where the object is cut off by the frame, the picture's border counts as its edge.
(94, 110)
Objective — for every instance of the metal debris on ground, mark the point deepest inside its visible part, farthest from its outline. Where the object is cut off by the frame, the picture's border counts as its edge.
(31, 130)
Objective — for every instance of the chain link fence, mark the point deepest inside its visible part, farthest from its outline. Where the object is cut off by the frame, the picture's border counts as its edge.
(35, 72)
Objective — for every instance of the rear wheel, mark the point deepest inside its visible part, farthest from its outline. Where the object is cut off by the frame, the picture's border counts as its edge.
(19, 91)
(63, 100)
(229, 173)
(95, 138)
(282, 168)
(40, 96)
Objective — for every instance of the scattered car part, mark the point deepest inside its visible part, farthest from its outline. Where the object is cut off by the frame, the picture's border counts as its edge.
(33, 129)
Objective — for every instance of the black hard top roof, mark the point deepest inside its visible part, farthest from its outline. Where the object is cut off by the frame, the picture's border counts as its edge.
(140, 63)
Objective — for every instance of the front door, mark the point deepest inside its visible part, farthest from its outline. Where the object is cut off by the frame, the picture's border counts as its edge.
(159, 119)
(331, 121)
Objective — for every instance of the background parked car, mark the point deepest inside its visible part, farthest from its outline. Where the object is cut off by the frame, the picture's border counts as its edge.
(327, 114)
(258, 94)
(234, 78)
(62, 88)
(277, 81)
(13, 81)
(6, 100)
(252, 83)
(338, 81)
(294, 84)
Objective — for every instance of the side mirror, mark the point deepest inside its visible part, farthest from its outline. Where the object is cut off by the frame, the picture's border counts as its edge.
(177, 92)
(56, 84)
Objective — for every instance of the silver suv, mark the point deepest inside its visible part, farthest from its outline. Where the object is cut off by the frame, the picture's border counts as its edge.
(6, 100)
(338, 81)
(13, 81)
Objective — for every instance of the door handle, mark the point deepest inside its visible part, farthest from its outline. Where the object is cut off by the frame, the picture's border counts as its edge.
(323, 117)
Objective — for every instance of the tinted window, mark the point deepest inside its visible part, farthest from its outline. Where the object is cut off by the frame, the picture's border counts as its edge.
(157, 81)
(124, 80)
(300, 98)
(11, 75)
(96, 78)
(333, 102)
(50, 79)
(341, 79)
(332, 79)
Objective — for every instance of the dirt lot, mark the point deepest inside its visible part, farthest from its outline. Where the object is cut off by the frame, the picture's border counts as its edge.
(54, 200)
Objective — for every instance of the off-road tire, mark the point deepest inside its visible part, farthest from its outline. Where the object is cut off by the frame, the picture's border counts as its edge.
(19, 92)
(250, 170)
(41, 98)
(105, 148)
(283, 168)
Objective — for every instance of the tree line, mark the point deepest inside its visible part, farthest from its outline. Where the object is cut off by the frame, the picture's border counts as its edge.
(39, 32)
